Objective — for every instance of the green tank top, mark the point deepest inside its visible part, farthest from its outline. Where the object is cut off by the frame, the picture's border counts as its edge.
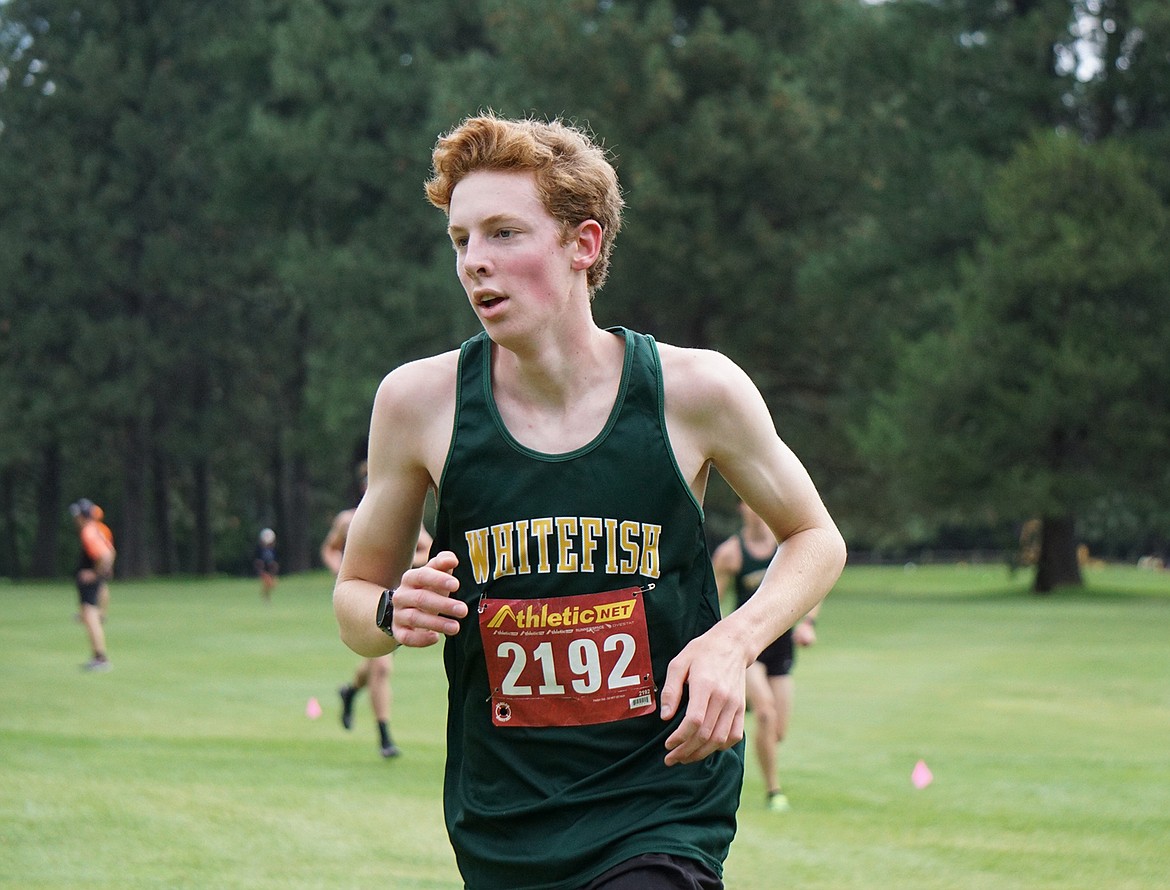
(552, 807)
(750, 574)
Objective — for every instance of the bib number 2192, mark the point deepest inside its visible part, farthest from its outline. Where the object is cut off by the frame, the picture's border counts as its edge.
(568, 661)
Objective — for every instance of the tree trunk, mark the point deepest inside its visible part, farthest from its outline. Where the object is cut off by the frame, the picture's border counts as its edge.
(275, 500)
(9, 546)
(291, 508)
(297, 518)
(1057, 565)
(292, 480)
(204, 549)
(49, 506)
(132, 541)
(167, 551)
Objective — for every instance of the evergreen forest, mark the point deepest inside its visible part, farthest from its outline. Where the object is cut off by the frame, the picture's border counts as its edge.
(935, 232)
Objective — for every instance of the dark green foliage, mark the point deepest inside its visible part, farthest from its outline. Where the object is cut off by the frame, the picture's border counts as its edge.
(131, 312)
(1046, 392)
(214, 243)
(934, 99)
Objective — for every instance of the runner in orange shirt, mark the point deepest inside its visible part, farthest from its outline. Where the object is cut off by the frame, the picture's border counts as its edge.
(94, 570)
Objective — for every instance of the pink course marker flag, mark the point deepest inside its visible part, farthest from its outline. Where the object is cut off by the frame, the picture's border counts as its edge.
(313, 709)
(921, 776)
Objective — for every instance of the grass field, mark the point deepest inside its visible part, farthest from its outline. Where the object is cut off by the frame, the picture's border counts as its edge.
(193, 764)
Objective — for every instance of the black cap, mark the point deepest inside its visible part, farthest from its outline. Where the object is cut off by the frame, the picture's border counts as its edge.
(81, 507)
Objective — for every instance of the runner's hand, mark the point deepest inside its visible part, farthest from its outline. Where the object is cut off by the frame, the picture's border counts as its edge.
(424, 609)
(712, 668)
(804, 634)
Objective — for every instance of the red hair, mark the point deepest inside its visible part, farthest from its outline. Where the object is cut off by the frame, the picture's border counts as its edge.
(574, 177)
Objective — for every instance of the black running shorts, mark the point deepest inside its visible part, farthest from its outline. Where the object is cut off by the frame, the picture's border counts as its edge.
(89, 592)
(657, 871)
(779, 656)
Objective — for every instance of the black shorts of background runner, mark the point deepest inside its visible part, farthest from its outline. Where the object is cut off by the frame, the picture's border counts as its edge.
(779, 656)
(89, 593)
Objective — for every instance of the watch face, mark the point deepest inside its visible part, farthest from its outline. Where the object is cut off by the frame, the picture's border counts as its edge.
(384, 606)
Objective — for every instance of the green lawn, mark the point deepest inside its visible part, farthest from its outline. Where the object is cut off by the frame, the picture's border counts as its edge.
(1046, 723)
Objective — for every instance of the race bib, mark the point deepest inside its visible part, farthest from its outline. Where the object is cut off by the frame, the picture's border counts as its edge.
(568, 660)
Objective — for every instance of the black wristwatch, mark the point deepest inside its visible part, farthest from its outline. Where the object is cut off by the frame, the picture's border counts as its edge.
(385, 615)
